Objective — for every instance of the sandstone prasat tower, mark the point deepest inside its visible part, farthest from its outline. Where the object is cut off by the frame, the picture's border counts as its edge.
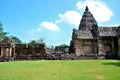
(91, 39)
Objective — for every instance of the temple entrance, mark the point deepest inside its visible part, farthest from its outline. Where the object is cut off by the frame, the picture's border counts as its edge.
(6, 52)
(116, 47)
(116, 44)
(7, 49)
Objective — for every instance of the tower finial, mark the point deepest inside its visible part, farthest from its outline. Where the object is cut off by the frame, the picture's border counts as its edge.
(86, 9)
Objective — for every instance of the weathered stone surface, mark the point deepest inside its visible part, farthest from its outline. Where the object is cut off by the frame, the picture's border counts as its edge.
(91, 39)
(84, 34)
(7, 49)
(88, 23)
(108, 31)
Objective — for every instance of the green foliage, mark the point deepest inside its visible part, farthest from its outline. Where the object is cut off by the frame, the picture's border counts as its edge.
(2, 33)
(15, 39)
(41, 41)
(60, 70)
(63, 45)
(33, 42)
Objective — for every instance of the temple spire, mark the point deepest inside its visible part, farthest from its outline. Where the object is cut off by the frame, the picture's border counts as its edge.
(88, 22)
(86, 9)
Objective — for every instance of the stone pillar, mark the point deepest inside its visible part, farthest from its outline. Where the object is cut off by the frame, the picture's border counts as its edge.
(10, 52)
(1, 52)
(118, 44)
(112, 43)
(7, 52)
(99, 47)
(14, 51)
(77, 47)
(118, 47)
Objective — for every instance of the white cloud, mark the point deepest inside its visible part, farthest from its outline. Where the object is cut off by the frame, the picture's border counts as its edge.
(70, 17)
(80, 5)
(114, 25)
(99, 9)
(50, 26)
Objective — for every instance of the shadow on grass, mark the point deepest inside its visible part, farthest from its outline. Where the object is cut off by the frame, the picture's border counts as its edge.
(112, 63)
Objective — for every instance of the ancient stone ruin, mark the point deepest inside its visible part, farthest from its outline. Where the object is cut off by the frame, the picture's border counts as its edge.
(7, 48)
(90, 39)
(88, 42)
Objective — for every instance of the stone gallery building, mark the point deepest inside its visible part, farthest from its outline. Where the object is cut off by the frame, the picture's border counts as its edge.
(91, 39)
(10, 51)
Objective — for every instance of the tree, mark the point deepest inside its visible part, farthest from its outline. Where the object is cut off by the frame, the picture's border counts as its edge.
(2, 33)
(41, 41)
(15, 39)
(63, 45)
(33, 42)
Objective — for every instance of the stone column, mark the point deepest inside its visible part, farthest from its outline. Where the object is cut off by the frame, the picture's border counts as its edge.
(1, 52)
(119, 44)
(118, 47)
(14, 51)
(10, 52)
(6, 52)
(112, 43)
(99, 47)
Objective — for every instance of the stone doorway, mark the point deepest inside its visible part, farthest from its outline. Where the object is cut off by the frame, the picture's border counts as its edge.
(7, 49)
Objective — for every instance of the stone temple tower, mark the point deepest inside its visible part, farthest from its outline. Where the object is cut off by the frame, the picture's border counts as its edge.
(84, 40)
(91, 39)
(89, 23)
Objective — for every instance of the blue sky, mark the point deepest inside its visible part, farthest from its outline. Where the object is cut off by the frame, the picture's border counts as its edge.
(53, 20)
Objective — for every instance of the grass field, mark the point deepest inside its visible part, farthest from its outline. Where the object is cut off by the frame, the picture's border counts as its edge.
(60, 70)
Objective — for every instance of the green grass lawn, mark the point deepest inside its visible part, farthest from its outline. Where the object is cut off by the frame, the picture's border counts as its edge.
(60, 70)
